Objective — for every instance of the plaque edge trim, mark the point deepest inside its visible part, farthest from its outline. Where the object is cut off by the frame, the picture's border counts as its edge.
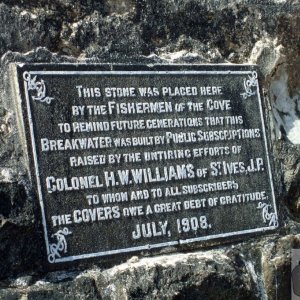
(161, 245)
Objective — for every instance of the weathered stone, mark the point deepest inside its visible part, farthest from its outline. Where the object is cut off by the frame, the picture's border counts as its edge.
(190, 31)
(16, 247)
(79, 288)
(23, 30)
(287, 156)
(207, 275)
(276, 266)
(181, 276)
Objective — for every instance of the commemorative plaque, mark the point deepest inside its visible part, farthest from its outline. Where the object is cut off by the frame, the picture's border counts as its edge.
(133, 158)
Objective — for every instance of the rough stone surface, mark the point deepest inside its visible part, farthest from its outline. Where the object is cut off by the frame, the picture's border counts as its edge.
(189, 31)
(207, 275)
(276, 265)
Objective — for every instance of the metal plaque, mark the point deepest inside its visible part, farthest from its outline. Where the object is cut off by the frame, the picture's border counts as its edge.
(130, 158)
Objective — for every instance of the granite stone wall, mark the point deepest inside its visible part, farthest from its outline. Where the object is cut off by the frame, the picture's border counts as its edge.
(266, 33)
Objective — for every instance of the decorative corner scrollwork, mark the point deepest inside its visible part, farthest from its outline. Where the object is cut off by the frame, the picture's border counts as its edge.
(38, 86)
(55, 249)
(267, 216)
(248, 84)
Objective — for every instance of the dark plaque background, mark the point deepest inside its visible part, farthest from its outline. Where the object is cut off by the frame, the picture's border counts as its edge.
(223, 190)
